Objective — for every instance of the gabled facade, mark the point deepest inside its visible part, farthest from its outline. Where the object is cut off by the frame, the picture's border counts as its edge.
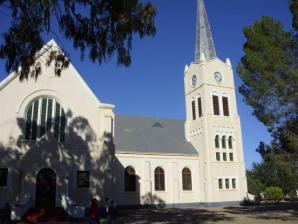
(57, 125)
(57, 140)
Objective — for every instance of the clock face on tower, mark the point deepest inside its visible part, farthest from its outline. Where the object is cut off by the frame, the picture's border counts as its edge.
(218, 77)
(194, 80)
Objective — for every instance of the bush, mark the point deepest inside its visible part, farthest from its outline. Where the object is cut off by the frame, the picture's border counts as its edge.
(274, 194)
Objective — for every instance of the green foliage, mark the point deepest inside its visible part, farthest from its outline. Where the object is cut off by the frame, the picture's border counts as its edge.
(274, 194)
(255, 186)
(274, 172)
(103, 27)
(269, 71)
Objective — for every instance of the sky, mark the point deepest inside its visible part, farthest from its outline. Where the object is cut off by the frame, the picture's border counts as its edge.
(153, 84)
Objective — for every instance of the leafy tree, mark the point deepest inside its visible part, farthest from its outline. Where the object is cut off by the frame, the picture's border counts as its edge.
(269, 71)
(275, 172)
(102, 27)
(255, 186)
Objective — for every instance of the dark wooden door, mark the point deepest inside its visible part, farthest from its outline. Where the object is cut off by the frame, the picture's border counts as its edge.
(45, 189)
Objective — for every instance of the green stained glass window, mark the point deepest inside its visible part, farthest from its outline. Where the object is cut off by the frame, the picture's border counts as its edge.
(83, 179)
(40, 116)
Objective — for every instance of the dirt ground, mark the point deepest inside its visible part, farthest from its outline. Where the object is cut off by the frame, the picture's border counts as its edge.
(285, 213)
(274, 213)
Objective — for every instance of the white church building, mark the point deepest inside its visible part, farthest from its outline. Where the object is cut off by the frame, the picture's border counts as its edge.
(59, 143)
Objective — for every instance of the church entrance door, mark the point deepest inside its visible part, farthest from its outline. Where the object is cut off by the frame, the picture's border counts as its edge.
(45, 189)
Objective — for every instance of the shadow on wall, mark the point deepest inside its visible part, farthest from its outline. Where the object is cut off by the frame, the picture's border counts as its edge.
(82, 150)
(128, 194)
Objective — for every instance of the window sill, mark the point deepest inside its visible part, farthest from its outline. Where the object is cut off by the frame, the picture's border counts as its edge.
(228, 190)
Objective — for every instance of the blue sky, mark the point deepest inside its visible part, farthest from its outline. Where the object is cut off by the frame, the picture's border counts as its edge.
(153, 84)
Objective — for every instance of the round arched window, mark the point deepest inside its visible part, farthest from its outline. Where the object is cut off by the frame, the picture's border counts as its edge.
(159, 179)
(130, 179)
(45, 115)
(186, 179)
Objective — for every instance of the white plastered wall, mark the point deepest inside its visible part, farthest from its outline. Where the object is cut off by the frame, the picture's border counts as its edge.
(82, 150)
(144, 166)
(202, 131)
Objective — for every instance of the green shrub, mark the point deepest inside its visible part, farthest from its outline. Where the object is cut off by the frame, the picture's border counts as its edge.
(274, 194)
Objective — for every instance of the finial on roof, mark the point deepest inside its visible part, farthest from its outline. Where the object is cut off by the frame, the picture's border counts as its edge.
(205, 49)
(228, 62)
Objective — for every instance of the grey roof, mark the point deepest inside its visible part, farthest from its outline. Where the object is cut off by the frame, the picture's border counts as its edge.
(205, 49)
(151, 135)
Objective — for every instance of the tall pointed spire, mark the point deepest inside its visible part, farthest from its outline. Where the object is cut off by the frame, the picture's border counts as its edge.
(205, 49)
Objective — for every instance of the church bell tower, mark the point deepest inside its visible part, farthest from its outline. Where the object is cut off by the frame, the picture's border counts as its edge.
(212, 123)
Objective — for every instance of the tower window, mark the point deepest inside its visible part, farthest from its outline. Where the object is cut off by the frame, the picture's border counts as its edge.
(224, 156)
(225, 103)
(159, 179)
(231, 157)
(217, 141)
(3, 177)
(215, 105)
(230, 141)
(130, 179)
(217, 156)
(223, 142)
(200, 107)
(227, 183)
(193, 106)
(186, 179)
(45, 115)
(234, 183)
(219, 183)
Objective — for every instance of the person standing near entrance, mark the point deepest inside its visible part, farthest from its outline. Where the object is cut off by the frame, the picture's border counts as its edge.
(94, 212)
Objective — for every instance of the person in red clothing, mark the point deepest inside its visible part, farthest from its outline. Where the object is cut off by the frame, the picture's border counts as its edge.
(94, 212)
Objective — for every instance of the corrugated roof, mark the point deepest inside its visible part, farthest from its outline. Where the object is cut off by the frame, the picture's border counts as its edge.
(151, 135)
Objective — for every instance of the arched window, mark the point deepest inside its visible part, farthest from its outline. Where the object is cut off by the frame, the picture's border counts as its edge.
(200, 107)
(193, 108)
(159, 179)
(130, 179)
(45, 115)
(186, 179)
(225, 104)
(230, 142)
(217, 141)
(223, 142)
(215, 100)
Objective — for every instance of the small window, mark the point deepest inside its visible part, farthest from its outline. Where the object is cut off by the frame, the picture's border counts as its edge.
(227, 183)
(130, 179)
(83, 179)
(234, 183)
(220, 183)
(225, 103)
(215, 105)
(200, 107)
(186, 179)
(3, 177)
(231, 157)
(217, 156)
(230, 142)
(193, 105)
(224, 156)
(159, 179)
(223, 142)
(217, 141)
